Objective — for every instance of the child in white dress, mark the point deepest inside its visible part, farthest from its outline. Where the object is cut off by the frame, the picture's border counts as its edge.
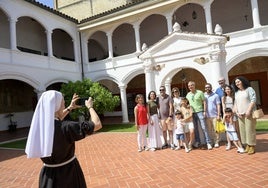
(230, 129)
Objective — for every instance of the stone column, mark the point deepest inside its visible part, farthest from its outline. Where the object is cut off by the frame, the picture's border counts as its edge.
(75, 48)
(208, 17)
(168, 85)
(217, 63)
(110, 44)
(84, 44)
(169, 23)
(255, 13)
(49, 43)
(123, 96)
(149, 76)
(137, 37)
(13, 36)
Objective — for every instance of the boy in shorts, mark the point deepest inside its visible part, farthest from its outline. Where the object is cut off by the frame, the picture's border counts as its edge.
(180, 131)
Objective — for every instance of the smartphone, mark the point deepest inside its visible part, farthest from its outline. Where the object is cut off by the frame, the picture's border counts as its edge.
(81, 101)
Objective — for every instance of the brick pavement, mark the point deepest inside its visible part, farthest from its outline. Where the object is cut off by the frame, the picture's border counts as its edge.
(112, 160)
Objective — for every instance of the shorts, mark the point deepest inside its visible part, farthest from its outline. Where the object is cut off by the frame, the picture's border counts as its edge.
(232, 135)
(180, 136)
(167, 125)
(188, 126)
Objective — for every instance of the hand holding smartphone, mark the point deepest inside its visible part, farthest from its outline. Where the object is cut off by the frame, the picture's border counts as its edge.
(81, 101)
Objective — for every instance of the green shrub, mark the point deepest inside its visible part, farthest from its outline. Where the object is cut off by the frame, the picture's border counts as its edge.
(104, 101)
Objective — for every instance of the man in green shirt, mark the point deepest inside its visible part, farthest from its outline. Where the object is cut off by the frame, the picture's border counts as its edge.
(197, 101)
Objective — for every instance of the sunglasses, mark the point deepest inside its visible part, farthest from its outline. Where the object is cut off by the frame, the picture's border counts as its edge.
(174, 91)
(161, 89)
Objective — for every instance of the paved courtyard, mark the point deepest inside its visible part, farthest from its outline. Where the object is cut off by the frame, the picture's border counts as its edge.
(112, 160)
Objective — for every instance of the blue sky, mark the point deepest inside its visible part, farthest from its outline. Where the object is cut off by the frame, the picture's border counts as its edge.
(46, 2)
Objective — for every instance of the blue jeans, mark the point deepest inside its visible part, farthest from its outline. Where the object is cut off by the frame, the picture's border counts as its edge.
(199, 119)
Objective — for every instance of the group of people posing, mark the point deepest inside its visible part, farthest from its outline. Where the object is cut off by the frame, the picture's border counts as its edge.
(190, 122)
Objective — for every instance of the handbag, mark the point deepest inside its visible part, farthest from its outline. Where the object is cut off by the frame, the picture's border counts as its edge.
(257, 113)
(220, 127)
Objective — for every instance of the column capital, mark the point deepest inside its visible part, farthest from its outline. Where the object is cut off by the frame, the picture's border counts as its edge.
(148, 65)
(168, 16)
(49, 31)
(109, 34)
(122, 86)
(136, 26)
(218, 56)
(12, 20)
(168, 81)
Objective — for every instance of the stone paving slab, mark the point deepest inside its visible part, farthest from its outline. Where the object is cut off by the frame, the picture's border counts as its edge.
(112, 160)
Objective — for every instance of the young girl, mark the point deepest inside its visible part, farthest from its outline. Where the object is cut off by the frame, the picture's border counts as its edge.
(180, 132)
(141, 122)
(230, 129)
(187, 113)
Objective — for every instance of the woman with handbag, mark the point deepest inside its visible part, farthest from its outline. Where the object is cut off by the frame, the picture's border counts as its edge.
(245, 103)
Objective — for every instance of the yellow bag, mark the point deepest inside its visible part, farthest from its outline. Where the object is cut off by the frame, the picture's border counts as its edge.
(220, 128)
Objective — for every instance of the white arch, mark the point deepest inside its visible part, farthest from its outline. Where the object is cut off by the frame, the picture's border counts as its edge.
(245, 55)
(107, 77)
(56, 81)
(172, 72)
(128, 77)
(21, 77)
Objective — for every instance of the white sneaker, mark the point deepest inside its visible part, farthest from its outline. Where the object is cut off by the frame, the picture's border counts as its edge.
(241, 150)
(187, 150)
(146, 148)
(209, 147)
(216, 145)
(140, 149)
(228, 147)
(172, 146)
(177, 148)
(152, 149)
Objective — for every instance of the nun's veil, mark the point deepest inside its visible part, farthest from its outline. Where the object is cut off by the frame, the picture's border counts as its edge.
(41, 134)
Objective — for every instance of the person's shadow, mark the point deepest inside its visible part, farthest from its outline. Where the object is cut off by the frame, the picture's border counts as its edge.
(262, 142)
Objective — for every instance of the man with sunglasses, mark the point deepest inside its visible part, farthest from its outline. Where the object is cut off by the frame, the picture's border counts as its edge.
(197, 101)
(165, 103)
(213, 113)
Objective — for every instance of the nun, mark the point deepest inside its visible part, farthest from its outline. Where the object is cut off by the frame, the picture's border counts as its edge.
(53, 140)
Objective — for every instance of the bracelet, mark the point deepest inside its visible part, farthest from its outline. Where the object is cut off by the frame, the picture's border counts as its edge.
(90, 107)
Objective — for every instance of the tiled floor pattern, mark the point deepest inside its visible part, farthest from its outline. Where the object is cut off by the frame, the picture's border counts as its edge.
(112, 160)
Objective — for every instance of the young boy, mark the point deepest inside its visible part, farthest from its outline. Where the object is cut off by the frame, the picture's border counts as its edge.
(180, 131)
(230, 129)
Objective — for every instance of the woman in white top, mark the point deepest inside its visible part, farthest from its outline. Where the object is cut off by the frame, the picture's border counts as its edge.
(245, 103)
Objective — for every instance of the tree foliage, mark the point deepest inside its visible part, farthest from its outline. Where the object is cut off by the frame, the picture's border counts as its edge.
(103, 99)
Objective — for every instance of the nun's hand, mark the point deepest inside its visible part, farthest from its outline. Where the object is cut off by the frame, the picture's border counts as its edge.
(73, 104)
